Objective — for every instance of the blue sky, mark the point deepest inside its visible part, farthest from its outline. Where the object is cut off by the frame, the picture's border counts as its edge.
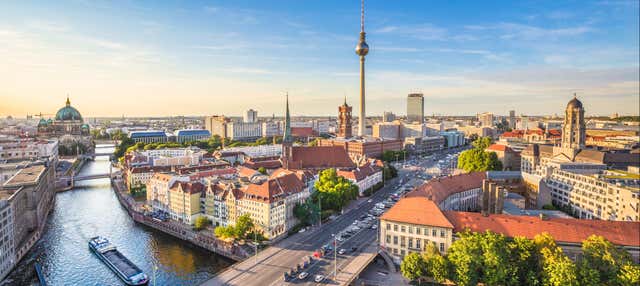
(224, 57)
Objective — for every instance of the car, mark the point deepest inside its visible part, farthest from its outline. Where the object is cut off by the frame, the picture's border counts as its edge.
(303, 275)
(319, 278)
(369, 200)
(342, 251)
(354, 249)
(302, 230)
(339, 239)
(375, 226)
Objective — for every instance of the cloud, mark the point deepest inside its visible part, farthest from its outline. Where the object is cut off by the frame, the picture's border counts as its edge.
(48, 26)
(422, 31)
(527, 32)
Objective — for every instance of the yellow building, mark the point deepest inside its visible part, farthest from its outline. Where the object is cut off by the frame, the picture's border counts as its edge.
(411, 224)
(184, 201)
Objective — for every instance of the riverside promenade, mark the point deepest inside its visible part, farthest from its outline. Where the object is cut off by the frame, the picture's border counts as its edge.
(178, 230)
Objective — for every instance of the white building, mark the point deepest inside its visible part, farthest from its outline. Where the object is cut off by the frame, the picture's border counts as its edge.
(244, 130)
(272, 128)
(453, 138)
(251, 116)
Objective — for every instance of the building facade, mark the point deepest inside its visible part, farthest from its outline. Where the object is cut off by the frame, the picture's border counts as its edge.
(68, 127)
(148, 136)
(415, 107)
(188, 135)
(344, 118)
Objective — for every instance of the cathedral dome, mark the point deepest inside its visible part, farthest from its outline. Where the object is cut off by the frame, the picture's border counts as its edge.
(68, 113)
(574, 103)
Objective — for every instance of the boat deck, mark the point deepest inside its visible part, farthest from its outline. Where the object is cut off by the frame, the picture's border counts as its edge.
(122, 263)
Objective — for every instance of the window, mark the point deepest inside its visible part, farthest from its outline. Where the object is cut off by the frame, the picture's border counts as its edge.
(434, 232)
(388, 238)
(388, 226)
(395, 227)
(442, 234)
(417, 243)
(395, 239)
(417, 230)
(395, 251)
(402, 252)
(441, 247)
(410, 242)
(402, 229)
(402, 241)
(411, 229)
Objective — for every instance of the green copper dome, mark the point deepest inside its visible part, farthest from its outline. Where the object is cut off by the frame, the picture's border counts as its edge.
(42, 122)
(68, 113)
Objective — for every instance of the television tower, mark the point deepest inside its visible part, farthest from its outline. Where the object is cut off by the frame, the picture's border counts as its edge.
(362, 49)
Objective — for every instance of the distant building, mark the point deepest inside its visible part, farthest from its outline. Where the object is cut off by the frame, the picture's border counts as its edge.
(148, 136)
(243, 131)
(364, 148)
(509, 158)
(388, 116)
(69, 128)
(251, 116)
(387, 130)
(412, 130)
(424, 145)
(415, 107)
(344, 118)
(272, 128)
(486, 119)
(217, 125)
(365, 176)
(453, 139)
(512, 119)
(188, 135)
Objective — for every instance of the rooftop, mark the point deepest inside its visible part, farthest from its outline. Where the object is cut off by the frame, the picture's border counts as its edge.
(29, 175)
(417, 210)
(563, 230)
(439, 189)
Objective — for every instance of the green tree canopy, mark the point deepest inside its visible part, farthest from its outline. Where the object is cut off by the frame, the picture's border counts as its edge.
(244, 224)
(557, 268)
(477, 159)
(413, 266)
(201, 222)
(601, 261)
(334, 191)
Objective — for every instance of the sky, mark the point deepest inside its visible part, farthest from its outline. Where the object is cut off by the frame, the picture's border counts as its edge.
(166, 58)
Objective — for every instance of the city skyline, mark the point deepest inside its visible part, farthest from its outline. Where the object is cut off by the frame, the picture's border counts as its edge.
(196, 58)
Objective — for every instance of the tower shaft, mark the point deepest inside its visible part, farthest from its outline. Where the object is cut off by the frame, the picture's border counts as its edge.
(362, 115)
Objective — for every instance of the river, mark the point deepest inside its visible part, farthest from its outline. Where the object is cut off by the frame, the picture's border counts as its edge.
(91, 209)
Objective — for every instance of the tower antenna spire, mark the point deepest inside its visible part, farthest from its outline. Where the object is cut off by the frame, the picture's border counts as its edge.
(362, 16)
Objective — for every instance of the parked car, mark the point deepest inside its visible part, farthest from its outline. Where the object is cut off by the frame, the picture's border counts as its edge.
(319, 278)
(342, 251)
(303, 275)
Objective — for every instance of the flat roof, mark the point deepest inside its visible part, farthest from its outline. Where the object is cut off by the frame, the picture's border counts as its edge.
(29, 175)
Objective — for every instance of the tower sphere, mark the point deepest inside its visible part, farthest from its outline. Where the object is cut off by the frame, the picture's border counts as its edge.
(362, 49)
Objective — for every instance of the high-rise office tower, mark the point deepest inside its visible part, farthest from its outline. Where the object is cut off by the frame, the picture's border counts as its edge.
(486, 119)
(388, 116)
(512, 119)
(362, 49)
(415, 107)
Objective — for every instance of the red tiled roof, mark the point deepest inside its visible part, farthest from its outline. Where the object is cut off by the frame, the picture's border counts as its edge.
(275, 188)
(498, 147)
(214, 172)
(417, 210)
(267, 164)
(301, 131)
(439, 189)
(246, 172)
(563, 230)
(512, 134)
(317, 157)
(188, 187)
(149, 169)
(360, 173)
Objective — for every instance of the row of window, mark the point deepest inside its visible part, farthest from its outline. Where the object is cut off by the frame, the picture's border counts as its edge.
(418, 230)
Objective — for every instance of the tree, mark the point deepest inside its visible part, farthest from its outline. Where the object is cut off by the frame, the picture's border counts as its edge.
(413, 266)
(262, 170)
(244, 224)
(557, 268)
(601, 261)
(465, 257)
(224, 232)
(201, 222)
(525, 261)
(334, 191)
(436, 264)
(495, 259)
(477, 159)
(629, 274)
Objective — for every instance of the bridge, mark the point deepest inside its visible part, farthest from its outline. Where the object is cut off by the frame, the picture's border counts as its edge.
(91, 177)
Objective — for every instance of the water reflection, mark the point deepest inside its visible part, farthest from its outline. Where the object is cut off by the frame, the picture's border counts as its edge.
(91, 209)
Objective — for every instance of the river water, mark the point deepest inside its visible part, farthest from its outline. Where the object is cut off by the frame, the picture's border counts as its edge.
(91, 209)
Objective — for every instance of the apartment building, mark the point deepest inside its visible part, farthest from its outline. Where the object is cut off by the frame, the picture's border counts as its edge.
(593, 192)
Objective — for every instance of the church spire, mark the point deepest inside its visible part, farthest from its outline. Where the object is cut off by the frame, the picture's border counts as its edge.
(287, 124)
(68, 101)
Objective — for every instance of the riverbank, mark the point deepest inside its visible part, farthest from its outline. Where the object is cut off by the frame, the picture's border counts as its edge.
(178, 230)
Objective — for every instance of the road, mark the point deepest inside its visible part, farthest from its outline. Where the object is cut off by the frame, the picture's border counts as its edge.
(269, 266)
